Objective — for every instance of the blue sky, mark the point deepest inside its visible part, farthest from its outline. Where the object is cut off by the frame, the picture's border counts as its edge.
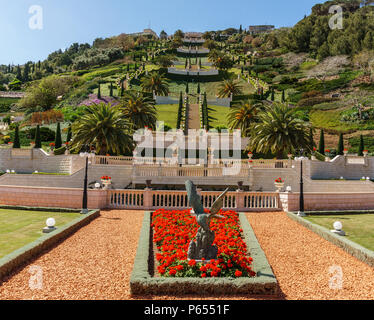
(69, 21)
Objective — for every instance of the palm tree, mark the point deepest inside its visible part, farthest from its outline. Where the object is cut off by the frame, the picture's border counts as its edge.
(278, 130)
(229, 87)
(154, 82)
(241, 116)
(139, 109)
(103, 127)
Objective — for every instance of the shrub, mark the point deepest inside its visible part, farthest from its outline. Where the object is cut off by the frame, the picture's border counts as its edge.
(60, 151)
(307, 102)
(46, 134)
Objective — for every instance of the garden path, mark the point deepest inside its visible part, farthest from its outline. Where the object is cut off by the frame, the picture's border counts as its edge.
(194, 120)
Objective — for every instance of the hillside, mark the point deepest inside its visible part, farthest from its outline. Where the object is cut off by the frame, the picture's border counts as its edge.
(325, 75)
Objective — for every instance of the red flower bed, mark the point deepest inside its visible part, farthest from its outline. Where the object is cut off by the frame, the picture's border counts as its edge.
(173, 232)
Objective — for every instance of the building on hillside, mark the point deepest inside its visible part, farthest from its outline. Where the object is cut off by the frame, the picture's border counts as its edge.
(260, 29)
(145, 33)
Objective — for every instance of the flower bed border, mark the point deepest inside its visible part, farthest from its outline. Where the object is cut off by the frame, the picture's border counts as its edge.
(27, 253)
(142, 282)
(353, 248)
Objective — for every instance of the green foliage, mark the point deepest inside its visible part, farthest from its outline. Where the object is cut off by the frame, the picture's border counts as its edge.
(361, 146)
(46, 92)
(59, 151)
(38, 139)
(314, 35)
(16, 142)
(321, 146)
(104, 127)
(139, 109)
(278, 131)
(368, 143)
(58, 139)
(7, 103)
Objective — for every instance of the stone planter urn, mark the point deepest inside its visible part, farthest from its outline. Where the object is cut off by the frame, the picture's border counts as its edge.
(366, 153)
(240, 186)
(313, 158)
(106, 183)
(279, 186)
(148, 184)
(345, 152)
(327, 159)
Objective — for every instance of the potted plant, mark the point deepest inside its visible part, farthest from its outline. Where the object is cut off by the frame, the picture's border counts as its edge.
(250, 155)
(314, 154)
(345, 152)
(106, 181)
(328, 155)
(365, 153)
(279, 184)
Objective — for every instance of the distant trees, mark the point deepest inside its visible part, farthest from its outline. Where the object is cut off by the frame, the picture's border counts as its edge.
(94, 57)
(46, 92)
(313, 34)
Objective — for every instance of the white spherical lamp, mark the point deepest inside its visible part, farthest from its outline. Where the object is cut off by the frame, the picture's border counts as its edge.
(50, 222)
(338, 225)
(338, 228)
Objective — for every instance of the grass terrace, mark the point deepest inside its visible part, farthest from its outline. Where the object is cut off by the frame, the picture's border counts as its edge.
(21, 227)
(168, 114)
(359, 228)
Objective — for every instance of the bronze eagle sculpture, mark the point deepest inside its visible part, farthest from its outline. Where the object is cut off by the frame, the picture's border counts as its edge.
(203, 246)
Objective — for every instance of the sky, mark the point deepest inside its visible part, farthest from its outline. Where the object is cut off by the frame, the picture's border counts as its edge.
(32, 35)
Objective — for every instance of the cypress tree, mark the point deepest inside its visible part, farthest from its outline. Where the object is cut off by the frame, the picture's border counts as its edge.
(111, 90)
(99, 92)
(122, 89)
(180, 111)
(58, 140)
(321, 147)
(198, 88)
(272, 95)
(128, 67)
(361, 147)
(200, 63)
(283, 96)
(187, 89)
(311, 137)
(16, 142)
(69, 135)
(38, 140)
(340, 150)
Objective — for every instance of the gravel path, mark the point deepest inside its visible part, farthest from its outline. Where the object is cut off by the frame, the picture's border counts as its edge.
(301, 261)
(194, 121)
(96, 262)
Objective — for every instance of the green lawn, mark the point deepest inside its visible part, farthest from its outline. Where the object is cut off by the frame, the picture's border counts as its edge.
(18, 228)
(218, 115)
(168, 113)
(359, 228)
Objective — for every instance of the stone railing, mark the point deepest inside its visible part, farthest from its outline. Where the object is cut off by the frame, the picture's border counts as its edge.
(154, 199)
(212, 163)
(211, 72)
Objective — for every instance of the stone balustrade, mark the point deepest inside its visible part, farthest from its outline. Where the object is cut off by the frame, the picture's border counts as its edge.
(154, 199)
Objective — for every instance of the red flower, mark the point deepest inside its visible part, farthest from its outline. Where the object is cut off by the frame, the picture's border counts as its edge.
(238, 273)
(172, 272)
(192, 263)
(203, 275)
(203, 269)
